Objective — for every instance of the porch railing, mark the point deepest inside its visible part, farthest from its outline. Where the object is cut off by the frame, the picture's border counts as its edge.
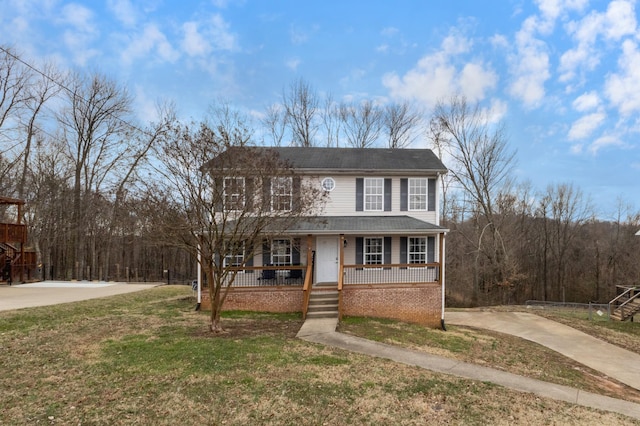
(259, 276)
(13, 233)
(414, 273)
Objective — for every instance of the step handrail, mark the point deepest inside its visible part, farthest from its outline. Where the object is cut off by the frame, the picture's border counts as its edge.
(621, 307)
(620, 296)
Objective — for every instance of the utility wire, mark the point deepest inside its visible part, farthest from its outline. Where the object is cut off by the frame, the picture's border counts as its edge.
(71, 92)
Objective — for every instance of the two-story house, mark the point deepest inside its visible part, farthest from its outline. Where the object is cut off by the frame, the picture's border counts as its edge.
(377, 244)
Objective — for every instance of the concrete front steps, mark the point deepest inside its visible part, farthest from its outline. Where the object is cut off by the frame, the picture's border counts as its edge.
(323, 301)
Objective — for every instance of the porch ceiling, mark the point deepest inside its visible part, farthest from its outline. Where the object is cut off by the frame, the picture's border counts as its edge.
(387, 225)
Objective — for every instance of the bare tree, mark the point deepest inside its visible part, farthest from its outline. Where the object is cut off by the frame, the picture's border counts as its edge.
(480, 163)
(14, 80)
(331, 121)
(275, 122)
(400, 121)
(96, 145)
(201, 215)
(301, 104)
(361, 123)
(41, 89)
(565, 210)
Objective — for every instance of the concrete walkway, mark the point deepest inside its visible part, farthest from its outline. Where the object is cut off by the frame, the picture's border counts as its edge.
(322, 331)
(47, 293)
(615, 362)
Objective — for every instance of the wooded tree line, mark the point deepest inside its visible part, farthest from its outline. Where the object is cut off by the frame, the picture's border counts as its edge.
(72, 148)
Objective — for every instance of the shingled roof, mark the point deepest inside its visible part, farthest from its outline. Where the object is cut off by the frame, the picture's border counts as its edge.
(360, 159)
(399, 225)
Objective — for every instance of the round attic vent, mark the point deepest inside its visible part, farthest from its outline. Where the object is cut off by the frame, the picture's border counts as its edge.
(328, 184)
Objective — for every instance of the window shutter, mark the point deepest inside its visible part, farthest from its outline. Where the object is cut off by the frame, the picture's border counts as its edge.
(359, 251)
(431, 249)
(295, 252)
(266, 194)
(218, 194)
(248, 193)
(404, 195)
(359, 194)
(248, 261)
(387, 195)
(266, 253)
(432, 195)
(295, 194)
(387, 251)
(403, 251)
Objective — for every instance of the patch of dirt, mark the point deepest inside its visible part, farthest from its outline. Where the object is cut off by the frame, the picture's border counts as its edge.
(253, 327)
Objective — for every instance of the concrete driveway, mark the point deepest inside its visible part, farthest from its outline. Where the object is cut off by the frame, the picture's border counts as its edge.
(53, 292)
(615, 362)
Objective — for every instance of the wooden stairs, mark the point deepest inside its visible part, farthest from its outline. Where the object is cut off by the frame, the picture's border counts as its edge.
(626, 305)
(323, 301)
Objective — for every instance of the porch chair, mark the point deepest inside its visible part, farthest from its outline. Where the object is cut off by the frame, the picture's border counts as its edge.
(295, 274)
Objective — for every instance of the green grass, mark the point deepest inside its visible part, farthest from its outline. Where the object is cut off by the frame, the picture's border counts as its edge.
(147, 358)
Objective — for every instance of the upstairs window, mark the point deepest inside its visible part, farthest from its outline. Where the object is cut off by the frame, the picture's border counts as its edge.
(373, 194)
(418, 194)
(234, 193)
(281, 193)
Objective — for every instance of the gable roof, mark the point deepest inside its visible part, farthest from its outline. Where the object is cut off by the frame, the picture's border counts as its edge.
(360, 159)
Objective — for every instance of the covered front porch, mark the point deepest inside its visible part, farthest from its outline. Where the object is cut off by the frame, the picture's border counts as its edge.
(383, 267)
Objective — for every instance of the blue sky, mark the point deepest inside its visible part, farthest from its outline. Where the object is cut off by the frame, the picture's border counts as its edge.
(564, 75)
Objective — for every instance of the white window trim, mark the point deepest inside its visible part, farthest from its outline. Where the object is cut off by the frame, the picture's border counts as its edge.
(290, 255)
(225, 261)
(274, 195)
(241, 202)
(366, 193)
(410, 194)
(409, 252)
(365, 252)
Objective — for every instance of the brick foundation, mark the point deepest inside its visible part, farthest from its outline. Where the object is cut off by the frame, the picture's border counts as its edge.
(419, 303)
(273, 299)
(415, 303)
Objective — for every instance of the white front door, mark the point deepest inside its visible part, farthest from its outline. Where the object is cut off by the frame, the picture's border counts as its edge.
(327, 259)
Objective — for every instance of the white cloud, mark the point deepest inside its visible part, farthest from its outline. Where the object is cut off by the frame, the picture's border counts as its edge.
(389, 31)
(203, 37)
(123, 11)
(623, 88)
(149, 41)
(297, 35)
(218, 29)
(586, 101)
(79, 17)
(605, 141)
(615, 23)
(293, 63)
(81, 31)
(620, 19)
(497, 110)
(193, 43)
(553, 9)
(529, 66)
(585, 126)
(436, 76)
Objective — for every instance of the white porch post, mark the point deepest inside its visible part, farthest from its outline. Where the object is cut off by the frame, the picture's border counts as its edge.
(199, 275)
(442, 275)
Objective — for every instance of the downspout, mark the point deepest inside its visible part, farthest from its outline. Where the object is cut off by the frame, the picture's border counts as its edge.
(199, 297)
(442, 280)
